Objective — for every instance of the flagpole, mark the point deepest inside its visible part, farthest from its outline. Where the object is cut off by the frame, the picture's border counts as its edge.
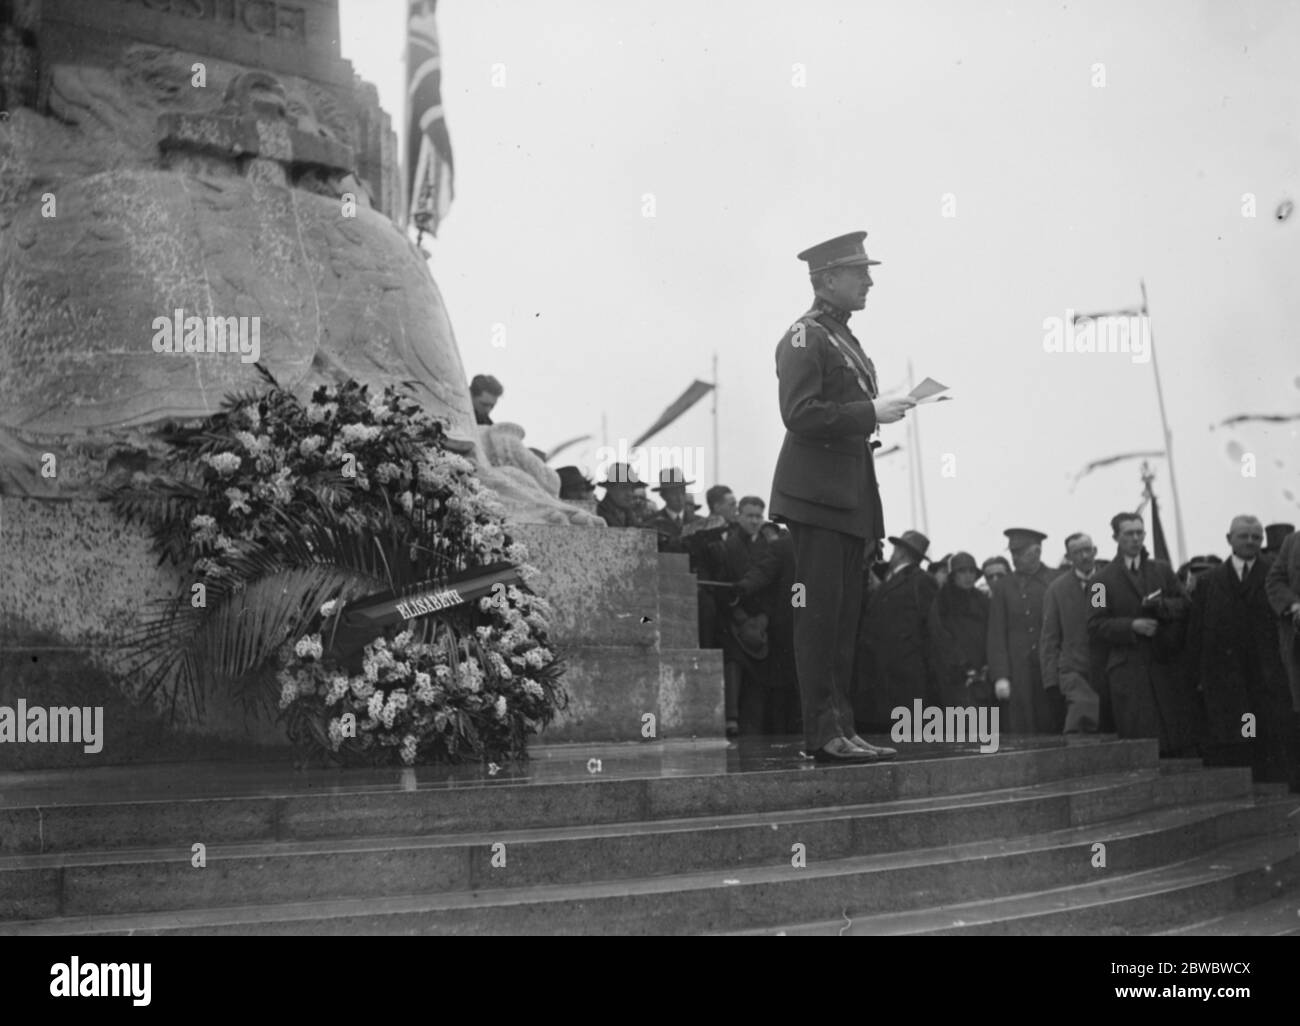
(1164, 421)
(911, 451)
(716, 476)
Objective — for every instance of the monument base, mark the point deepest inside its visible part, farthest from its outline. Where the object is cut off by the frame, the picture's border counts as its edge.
(74, 577)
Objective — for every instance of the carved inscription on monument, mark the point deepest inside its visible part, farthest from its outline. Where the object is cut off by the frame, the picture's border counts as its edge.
(286, 21)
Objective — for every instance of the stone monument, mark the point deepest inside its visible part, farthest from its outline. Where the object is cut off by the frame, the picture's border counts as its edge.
(163, 160)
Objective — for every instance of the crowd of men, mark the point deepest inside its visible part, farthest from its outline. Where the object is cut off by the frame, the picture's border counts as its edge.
(1202, 659)
(1205, 659)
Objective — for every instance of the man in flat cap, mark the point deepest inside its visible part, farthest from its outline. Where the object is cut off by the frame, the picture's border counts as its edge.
(1140, 611)
(1015, 632)
(825, 488)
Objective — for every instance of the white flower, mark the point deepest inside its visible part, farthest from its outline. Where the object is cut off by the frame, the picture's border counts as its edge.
(310, 444)
(238, 500)
(224, 463)
(203, 525)
(386, 472)
(517, 552)
(338, 688)
(224, 544)
(375, 707)
(318, 412)
(362, 688)
(353, 433)
(378, 407)
(533, 688)
(280, 485)
(327, 608)
(501, 707)
(309, 646)
(407, 501)
(400, 641)
(288, 692)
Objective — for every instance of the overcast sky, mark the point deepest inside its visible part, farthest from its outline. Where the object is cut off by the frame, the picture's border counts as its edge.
(1080, 147)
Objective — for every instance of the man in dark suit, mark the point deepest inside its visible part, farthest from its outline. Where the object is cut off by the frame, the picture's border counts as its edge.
(1282, 585)
(669, 521)
(1073, 662)
(896, 666)
(1233, 661)
(825, 487)
(1015, 631)
(1140, 613)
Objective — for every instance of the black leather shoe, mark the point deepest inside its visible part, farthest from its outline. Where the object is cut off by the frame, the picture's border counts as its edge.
(879, 751)
(841, 750)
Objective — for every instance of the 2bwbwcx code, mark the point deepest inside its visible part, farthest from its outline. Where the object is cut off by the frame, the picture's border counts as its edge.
(1217, 967)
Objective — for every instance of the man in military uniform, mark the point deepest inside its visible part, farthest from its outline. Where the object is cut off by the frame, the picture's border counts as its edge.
(825, 488)
(669, 521)
(1015, 630)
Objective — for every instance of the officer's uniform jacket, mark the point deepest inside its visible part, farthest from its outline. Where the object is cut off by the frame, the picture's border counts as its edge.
(825, 473)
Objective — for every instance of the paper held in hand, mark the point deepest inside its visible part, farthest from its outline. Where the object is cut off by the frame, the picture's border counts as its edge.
(928, 392)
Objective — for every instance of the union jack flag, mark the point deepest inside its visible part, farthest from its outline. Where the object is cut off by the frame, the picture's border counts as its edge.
(429, 168)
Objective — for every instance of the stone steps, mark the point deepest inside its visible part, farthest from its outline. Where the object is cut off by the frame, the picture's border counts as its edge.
(155, 879)
(1279, 917)
(896, 847)
(1225, 877)
(757, 897)
(32, 825)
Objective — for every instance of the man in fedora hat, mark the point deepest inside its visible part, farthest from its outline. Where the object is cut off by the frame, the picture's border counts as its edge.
(618, 508)
(669, 521)
(895, 668)
(825, 487)
(1015, 632)
(573, 485)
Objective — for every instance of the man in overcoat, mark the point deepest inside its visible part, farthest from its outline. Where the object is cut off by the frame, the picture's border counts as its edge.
(1015, 632)
(1140, 613)
(1234, 662)
(895, 627)
(825, 487)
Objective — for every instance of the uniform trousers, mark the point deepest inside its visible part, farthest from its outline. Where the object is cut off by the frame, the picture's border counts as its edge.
(829, 566)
